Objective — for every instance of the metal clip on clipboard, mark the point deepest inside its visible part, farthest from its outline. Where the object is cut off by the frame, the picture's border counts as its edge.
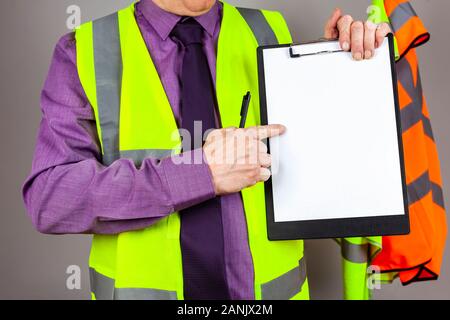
(297, 55)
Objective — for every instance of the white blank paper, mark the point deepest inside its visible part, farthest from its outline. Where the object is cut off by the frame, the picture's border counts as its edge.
(340, 156)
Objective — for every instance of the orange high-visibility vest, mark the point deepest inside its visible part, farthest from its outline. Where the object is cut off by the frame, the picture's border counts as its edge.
(417, 256)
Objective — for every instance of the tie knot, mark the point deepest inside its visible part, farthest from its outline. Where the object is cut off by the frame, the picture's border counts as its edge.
(188, 31)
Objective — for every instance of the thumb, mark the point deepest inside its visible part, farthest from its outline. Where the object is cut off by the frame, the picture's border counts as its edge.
(330, 31)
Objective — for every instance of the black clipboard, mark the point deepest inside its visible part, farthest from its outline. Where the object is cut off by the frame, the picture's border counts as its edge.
(341, 227)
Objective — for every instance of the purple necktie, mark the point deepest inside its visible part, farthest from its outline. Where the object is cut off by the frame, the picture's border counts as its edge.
(201, 225)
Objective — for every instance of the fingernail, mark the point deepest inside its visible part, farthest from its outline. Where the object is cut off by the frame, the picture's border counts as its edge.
(357, 56)
(368, 54)
(346, 46)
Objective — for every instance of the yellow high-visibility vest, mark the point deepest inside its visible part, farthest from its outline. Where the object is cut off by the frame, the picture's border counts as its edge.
(135, 120)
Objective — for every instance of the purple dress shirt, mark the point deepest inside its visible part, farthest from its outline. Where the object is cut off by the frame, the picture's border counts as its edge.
(69, 191)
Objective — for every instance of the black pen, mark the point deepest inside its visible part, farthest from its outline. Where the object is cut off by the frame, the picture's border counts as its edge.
(244, 109)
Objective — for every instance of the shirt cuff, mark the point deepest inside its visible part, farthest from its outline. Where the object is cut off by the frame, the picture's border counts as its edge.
(189, 179)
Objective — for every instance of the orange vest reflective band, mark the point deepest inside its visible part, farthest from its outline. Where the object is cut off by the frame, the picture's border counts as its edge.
(409, 29)
(417, 256)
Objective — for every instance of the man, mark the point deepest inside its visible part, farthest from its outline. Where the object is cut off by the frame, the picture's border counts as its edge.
(123, 93)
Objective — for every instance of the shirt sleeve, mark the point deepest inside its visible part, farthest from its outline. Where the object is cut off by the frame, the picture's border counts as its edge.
(69, 191)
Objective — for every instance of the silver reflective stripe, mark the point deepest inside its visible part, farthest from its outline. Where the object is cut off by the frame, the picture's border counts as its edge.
(260, 27)
(401, 15)
(285, 286)
(438, 195)
(356, 253)
(419, 188)
(143, 294)
(103, 289)
(108, 74)
(422, 187)
(427, 127)
(412, 113)
(138, 156)
(101, 286)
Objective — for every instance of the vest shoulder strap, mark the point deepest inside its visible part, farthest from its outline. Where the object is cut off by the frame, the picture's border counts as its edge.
(260, 27)
(99, 61)
(268, 27)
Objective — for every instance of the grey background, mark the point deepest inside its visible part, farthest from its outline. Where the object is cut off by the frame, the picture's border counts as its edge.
(32, 266)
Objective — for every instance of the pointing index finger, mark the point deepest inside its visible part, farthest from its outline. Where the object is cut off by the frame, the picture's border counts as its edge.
(270, 131)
